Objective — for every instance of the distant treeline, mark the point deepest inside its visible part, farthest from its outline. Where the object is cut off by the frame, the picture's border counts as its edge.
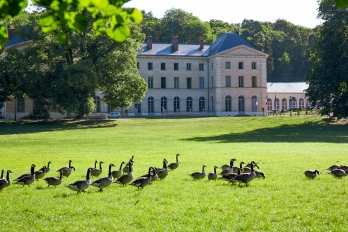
(288, 45)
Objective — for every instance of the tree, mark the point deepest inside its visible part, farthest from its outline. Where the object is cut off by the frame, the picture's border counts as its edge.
(66, 76)
(110, 18)
(328, 77)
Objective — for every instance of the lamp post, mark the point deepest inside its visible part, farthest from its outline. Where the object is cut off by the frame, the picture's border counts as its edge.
(290, 105)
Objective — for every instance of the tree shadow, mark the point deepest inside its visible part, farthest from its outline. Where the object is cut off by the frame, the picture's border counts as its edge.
(300, 133)
(25, 127)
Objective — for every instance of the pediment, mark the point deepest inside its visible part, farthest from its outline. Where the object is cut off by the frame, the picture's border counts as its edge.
(242, 50)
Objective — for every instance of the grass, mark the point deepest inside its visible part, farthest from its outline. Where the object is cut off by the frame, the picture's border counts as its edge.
(284, 147)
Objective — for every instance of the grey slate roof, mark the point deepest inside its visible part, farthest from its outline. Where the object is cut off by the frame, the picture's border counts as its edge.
(222, 43)
(15, 40)
(286, 87)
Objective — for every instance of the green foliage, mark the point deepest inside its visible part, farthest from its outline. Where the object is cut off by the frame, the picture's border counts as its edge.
(343, 4)
(329, 75)
(111, 18)
(283, 147)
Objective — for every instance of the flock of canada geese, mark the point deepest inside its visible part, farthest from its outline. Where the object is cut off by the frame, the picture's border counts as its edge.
(124, 175)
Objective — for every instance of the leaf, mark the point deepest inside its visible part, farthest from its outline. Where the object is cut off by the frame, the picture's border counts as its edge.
(3, 36)
(109, 10)
(120, 33)
(81, 22)
(61, 37)
(343, 4)
(48, 23)
(136, 16)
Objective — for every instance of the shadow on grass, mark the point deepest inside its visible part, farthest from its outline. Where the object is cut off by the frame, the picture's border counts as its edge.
(24, 127)
(299, 133)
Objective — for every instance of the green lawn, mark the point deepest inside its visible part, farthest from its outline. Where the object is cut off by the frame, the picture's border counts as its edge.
(284, 147)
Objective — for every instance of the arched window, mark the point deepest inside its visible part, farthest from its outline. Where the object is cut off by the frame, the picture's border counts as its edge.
(254, 104)
(97, 104)
(201, 104)
(241, 107)
(163, 104)
(276, 107)
(301, 103)
(176, 104)
(293, 103)
(284, 104)
(269, 104)
(308, 104)
(150, 105)
(189, 104)
(20, 105)
(228, 103)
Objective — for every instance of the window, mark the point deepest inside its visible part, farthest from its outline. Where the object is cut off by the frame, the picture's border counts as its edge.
(189, 104)
(201, 82)
(163, 66)
(212, 66)
(269, 104)
(293, 103)
(253, 65)
(284, 104)
(253, 82)
(20, 105)
(241, 104)
(189, 83)
(201, 104)
(201, 66)
(176, 66)
(188, 66)
(150, 105)
(138, 66)
(254, 104)
(176, 82)
(150, 82)
(301, 104)
(228, 65)
(241, 65)
(137, 107)
(149, 66)
(228, 103)
(212, 82)
(241, 81)
(228, 81)
(97, 104)
(276, 104)
(163, 82)
(176, 104)
(163, 104)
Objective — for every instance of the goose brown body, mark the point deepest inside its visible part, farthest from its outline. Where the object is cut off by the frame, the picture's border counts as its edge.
(95, 171)
(67, 170)
(81, 185)
(5, 182)
(198, 175)
(246, 177)
(27, 180)
(104, 182)
(54, 180)
(142, 181)
(163, 172)
(117, 173)
(175, 165)
(126, 178)
(213, 175)
(311, 173)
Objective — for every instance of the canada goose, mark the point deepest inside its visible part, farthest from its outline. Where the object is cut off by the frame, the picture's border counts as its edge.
(40, 173)
(2, 174)
(339, 173)
(232, 179)
(95, 165)
(232, 175)
(104, 182)
(213, 175)
(247, 168)
(126, 178)
(54, 180)
(117, 173)
(246, 177)
(154, 176)
(142, 181)
(231, 169)
(311, 173)
(81, 185)
(163, 172)
(198, 175)
(5, 182)
(227, 166)
(175, 165)
(96, 172)
(344, 168)
(333, 167)
(126, 168)
(48, 167)
(259, 174)
(27, 180)
(67, 170)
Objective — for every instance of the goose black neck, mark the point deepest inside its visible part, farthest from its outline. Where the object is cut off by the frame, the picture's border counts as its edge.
(32, 170)
(110, 169)
(48, 164)
(121, 165)
(149, 171)
(100, 167)
(231, 163)
(241, 165)
(215, 169)
(203, 168)
(2, 173)
(60, 175)
(177, 158)
(87, 176)
(8, 175)
(95, 164)
(164, 164)
(69, 163)
(252, 167)
(130, 167)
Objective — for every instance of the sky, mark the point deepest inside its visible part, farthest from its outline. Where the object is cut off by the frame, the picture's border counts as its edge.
(298, 12)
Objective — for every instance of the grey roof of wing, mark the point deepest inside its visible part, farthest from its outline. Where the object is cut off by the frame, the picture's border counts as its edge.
(287, 87)
(228, 41)
(168, 50)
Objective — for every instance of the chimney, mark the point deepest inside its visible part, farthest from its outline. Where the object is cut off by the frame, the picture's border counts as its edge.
(201, 44)
(175, 43)
(149, 42)
(10, 32)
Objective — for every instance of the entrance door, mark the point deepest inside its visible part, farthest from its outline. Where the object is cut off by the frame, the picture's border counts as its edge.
(137, 108)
